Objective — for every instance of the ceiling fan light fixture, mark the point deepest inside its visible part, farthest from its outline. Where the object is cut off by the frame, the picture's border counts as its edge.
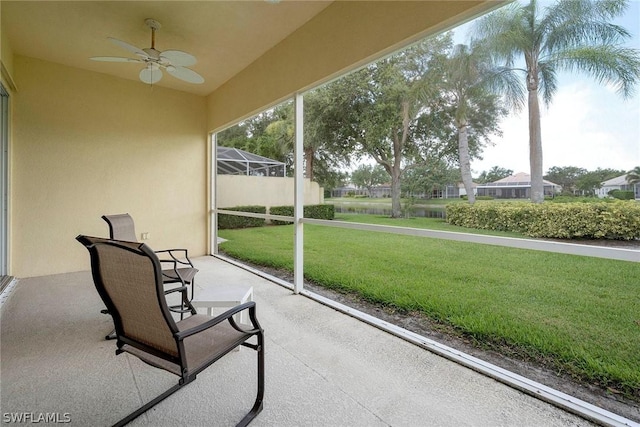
(151, 74)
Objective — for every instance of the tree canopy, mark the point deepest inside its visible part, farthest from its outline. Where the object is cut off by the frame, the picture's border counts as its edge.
(369, 176)
(493, 174)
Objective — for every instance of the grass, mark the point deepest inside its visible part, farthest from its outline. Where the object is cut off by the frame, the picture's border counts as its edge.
(580, 313)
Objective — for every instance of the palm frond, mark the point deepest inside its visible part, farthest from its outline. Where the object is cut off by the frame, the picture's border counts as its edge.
(504, 31)
(548, 82)
(616, 65)
(634, 175)
(506, 82)
(584, 33)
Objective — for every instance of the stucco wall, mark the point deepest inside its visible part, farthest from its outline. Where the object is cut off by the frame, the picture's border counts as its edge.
(240, 190)
(86, 144)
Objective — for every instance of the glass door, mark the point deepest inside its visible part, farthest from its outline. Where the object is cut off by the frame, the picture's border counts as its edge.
(4, 185)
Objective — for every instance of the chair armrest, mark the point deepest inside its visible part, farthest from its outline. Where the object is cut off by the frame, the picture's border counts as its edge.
(227, 315)
(178, 289)
(173, 265)
(183, 254)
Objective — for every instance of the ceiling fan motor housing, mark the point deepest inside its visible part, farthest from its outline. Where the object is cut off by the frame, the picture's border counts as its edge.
(152, 23)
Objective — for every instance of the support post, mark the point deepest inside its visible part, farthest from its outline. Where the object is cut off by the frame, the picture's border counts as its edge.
(298, 203)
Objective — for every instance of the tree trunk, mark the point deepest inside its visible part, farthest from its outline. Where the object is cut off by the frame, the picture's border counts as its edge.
(308, 154)
(535, 146)
(396, 208)
(465, 161)
(396, 171)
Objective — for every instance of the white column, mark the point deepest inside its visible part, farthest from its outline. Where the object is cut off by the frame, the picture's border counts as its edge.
(298, 203)
(213, 216)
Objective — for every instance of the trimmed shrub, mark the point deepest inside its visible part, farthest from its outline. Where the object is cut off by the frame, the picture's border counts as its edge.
(326, 211)
(281, 210)
(616, 221)
(233, 221)
(622, 194)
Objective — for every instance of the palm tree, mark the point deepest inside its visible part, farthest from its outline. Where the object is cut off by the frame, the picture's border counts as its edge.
(468, 73)
(633, 176)
(570, 35)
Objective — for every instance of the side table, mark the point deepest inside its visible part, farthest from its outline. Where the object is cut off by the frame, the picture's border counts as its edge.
(224, 296)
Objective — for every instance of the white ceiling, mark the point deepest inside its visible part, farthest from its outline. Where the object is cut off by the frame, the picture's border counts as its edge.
(225, 36)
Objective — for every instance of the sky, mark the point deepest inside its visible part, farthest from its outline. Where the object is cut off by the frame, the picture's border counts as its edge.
(587, 124)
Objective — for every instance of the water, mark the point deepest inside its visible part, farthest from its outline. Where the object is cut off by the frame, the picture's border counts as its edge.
(372, 209)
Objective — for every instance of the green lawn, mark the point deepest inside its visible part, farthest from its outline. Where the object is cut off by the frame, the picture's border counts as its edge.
(581, 313)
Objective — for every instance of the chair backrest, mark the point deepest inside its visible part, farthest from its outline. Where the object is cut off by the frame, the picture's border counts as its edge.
(121, 227)
(128, 277)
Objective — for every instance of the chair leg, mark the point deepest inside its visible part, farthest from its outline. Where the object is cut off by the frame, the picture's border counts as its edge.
(141, 410)
(112, 334)
(258, 404)
(255, 410)
(192, 290)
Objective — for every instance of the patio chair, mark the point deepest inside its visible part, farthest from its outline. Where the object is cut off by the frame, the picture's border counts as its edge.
(121, 227)
(146, 329)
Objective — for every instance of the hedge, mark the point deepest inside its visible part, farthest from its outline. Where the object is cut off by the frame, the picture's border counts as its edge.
(326, 211)
(233, 221)
(622, 194)
(616, 221)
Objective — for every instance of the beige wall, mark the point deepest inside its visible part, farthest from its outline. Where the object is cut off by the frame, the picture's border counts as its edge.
(6, 53)
(85, 144)
(240, 190)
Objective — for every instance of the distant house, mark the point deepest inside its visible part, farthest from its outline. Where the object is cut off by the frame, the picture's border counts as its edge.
(349, 190)
(378, 191)
(516, 186)
(618, 183)
(463, 192)
(449, 191)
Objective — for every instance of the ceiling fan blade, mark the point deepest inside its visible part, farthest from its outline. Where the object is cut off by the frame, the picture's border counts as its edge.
(179, 58)
(150, 75)
(141, 53)
(185, 74)
(113, 59)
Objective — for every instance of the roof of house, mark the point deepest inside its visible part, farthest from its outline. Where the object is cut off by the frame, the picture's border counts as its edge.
(473, 184)
(619, 180)
(234, 161)
(520, 179)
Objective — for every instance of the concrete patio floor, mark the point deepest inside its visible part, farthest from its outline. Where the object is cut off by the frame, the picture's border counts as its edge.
(323, 368)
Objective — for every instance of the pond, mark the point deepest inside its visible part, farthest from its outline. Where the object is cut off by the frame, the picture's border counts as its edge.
(375, 209)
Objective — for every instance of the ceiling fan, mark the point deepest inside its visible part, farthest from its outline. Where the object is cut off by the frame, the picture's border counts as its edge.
(173, 61)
